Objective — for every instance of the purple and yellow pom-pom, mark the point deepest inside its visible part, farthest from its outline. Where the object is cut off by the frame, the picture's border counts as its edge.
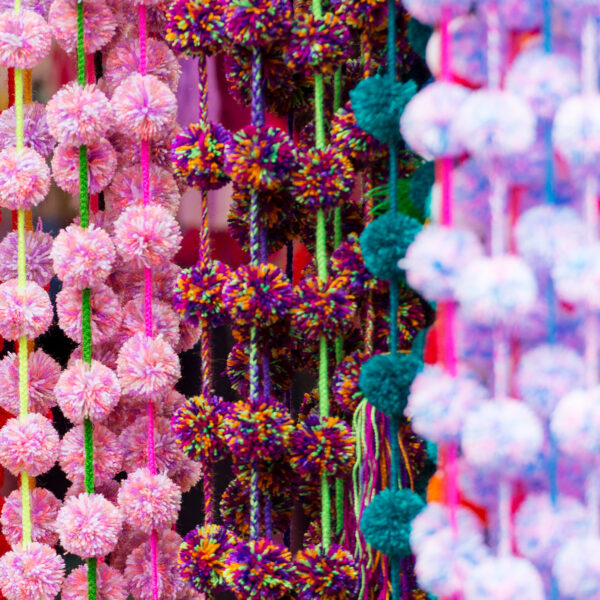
(347, 262)
(345, 390)
(257, 22)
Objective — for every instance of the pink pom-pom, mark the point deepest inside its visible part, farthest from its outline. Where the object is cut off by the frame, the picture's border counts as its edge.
(32, 573)
(102, 163)
(79, 115)
(29, 444)
(110, 584)
(105, 313)
(149, 502)
(44, 509)
(87, 391)
(432, 12)
(145, 107)
(98, 21)
(44, 372)
(186, 474)
(128, 280)
(89, 525)
(577, 568)
(36, 134)
(106, 353)
(147, 367)
(164, 320)
(37, 252)
(148, 235)
(25, 39)
(83, 258)
(107, 454)
(109, 489)
(24, 179)
(26, 313)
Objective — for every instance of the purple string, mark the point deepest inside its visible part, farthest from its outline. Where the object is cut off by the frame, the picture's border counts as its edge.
(268, 516)
(258, 97)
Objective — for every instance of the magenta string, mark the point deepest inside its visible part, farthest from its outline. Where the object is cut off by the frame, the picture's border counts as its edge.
(142, 35)
(445, 68)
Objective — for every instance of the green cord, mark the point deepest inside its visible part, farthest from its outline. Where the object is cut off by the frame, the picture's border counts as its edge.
(339, 506)
(80, 45)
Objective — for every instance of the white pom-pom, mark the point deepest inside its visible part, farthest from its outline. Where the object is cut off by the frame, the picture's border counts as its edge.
(577, 569)
(576, 276)
(432, 12)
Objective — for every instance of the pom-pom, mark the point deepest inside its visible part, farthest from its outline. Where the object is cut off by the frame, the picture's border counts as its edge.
(346, 392)
(147, 235)
(385, 380)
(427, 119)
(495, 290)
(385, 522)
(147, 367)
(322, 447)
(110, 584)
(260, 158)
(29, 444)
(44, 507)
(431, 12)
(105, 312)
(43, 371)
(519, 16)
(79, 115)
(326, 574)
(577, 568)
(149, 502)
(324, 179)
(321, 309)
(378, 104)
(259, 569)
(33, 572)
(38, 259)
(164, 320)
(256, 22)
(87, 391)
(83, 258)
(101, 165)
(576, 276)
(36, 134)
(98, 21)
(347, 262)
(145, 107)
(24, 178)
(25, 39)
(385, 241)
(257, 295)
(197, 425)
(503, 436)
(89, 525)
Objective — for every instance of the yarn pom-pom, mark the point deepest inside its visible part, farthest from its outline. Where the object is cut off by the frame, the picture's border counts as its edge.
(203, 555)
(346, 392)
(259, 431)
(24, 178)
(256, 22)
(326, 574)
(260, 158)
(105, 312)
(503, 436)
(110, 584)
(385, 380)
(257, 295)
(147, 235)
(29, 444)
(546, 374)
(147, 367)
(44, 372)
(198, 296)
(37, 250)
(89, 525)
(259, 569)
(145, 107)
(347, 262)
(198, 155)
(101, 164)
(36, 134)
(25, 39)
(431, 12)
(438, 403)
(504, 578)
(427, 119)
(385, 241)
(322, 447)
(197, 425)
(577, 568)
(378, 104)
(44, 507)
(149, 501)
(87, 391)
(321, 309)
(576, 276)
(386, 521)
(36, 571)
(435, 259)
(164, 320)
(495, 290)
(324, 179)
(83, 258)
(23, 313)
(541, 524)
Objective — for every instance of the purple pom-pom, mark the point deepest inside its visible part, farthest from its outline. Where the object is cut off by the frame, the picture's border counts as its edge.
(256, 22)
(38, 259)
(24, 178)
(36, 134)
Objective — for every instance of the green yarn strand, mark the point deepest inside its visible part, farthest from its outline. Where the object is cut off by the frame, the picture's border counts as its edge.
(80, 45)
(88, 442)
(92, 578)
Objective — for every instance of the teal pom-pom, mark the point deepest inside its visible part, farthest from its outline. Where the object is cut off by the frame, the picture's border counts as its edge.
(418, 36)
(385, 380)
(378, 104)
(385, 241)
(420, 187)
(386, 522)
